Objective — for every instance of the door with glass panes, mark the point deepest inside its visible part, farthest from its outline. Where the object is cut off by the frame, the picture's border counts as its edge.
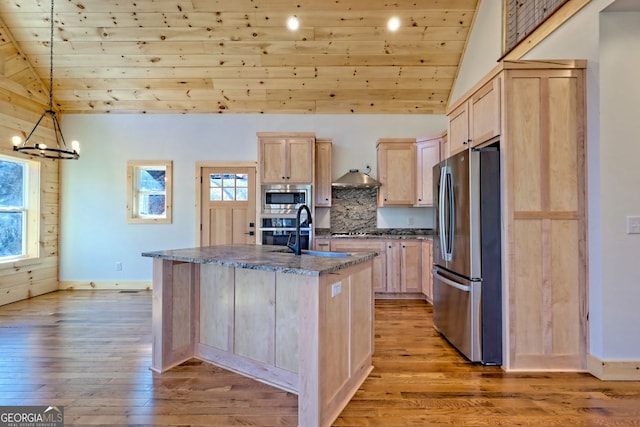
(228, 205)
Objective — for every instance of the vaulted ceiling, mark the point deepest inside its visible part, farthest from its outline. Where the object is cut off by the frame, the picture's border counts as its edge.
(237, 56)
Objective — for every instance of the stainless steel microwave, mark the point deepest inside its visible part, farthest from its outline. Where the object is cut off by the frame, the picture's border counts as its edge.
(284, 198)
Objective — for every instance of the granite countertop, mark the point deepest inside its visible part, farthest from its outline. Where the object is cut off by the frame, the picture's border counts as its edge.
(384, 234)
(379, 236)
(262, 257)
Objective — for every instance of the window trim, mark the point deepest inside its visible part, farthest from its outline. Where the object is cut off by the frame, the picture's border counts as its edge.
(33, 207)
(132, 191)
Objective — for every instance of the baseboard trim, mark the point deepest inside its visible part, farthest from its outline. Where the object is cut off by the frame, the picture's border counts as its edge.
(613, 370)
(106, 285)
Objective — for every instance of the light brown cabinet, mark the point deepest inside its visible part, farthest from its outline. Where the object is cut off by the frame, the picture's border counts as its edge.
(286, 158)
(428, 155)
(476, 120)
(398, 268)
(427, 266)
(404, 261)
(322, 186)
(366, 245)
(543, 207)
(396, 171)
(322, 244)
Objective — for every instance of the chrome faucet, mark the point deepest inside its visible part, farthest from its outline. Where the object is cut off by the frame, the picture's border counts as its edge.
(296, 246)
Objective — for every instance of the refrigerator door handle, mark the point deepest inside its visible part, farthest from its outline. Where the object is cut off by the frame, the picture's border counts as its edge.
(452, 215)
(449, 282)
(441, 212)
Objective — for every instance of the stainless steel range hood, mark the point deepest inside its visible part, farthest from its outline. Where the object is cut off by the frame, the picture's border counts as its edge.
(355, 179)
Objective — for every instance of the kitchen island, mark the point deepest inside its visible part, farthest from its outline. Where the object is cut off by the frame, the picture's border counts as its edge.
(302, 323)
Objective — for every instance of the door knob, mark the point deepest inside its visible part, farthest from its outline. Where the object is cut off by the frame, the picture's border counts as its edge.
(251, 233)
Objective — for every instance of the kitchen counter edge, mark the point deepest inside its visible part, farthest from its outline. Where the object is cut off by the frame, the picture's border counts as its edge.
(262, 257)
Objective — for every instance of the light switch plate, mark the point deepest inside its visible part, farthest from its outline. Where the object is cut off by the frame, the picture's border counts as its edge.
(633, 225)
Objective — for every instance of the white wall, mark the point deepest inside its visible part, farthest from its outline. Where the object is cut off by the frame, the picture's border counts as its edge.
(483, 49)
(610, 42)
(94, 231)
(619, 185)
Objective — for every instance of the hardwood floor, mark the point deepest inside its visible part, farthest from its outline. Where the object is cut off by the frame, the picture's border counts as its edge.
(89, 351)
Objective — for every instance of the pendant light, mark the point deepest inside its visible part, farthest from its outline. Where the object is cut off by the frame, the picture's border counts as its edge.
(60, 151)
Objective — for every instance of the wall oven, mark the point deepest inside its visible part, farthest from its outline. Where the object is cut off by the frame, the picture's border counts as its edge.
(278, 231)
(279, 199)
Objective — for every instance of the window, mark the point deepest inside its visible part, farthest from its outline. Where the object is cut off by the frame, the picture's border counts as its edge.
(149, 191)
(228, 187)
(19, 209)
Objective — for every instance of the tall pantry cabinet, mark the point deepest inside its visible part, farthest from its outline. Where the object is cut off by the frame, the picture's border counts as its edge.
(542, 143)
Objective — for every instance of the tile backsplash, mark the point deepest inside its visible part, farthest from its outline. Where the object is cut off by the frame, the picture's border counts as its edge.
(353, 210)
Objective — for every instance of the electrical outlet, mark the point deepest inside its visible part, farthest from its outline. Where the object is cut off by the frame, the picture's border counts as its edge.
(336, 289)
(118, 266)
(633, 225)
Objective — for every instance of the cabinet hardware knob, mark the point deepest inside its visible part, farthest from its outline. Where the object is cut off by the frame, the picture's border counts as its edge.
(465, 142)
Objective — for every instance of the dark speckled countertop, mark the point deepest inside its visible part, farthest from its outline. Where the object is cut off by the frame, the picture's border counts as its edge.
(386, 234)
(262, 257)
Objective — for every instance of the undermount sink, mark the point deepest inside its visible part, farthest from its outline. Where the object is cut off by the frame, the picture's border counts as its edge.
(324, 253)
(315, 253)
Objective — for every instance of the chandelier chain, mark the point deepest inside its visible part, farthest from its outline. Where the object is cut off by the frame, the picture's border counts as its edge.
(51, 61)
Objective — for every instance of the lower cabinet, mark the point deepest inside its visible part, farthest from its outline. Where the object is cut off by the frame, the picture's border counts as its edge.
(398, 268)
(366, 245)
(403, 266)
(427, 266)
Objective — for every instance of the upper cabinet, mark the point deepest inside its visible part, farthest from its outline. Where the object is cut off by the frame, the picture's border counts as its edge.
(476, 120)
(396, 171)
(322, 186)
(286, 158)
(428, 153)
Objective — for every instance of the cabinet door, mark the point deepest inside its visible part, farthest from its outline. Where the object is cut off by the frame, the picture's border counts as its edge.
(322, 188)
(410, 262)
(428, 154)
(397, 173)
(300, 161)
(427, 266)
(322, 244)
(393, 266)
(484, 115)
(365, 245)
(458, 131)
(273, 160)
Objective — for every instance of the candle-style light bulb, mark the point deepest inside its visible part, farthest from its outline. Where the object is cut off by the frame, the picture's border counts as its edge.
(16, 140)
(75, 145)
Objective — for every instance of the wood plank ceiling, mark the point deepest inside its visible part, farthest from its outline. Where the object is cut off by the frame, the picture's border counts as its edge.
(237, 56)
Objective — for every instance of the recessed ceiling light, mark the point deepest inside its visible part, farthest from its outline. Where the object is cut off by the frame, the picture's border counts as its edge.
(393, 24)
(293, 23)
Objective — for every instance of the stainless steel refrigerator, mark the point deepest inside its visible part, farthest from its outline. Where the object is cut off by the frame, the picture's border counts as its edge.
(467, 297)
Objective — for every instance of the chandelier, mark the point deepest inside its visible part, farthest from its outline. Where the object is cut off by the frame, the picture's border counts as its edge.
(61, 150)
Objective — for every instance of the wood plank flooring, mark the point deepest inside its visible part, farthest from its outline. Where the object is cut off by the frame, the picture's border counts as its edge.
(89, 351)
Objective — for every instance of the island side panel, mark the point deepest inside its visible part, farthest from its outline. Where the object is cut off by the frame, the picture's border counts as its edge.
(362, 319)
(254, 332)
(217, 306)
(238, 304)
(174, 285)
(330, 316)
(287, 296)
